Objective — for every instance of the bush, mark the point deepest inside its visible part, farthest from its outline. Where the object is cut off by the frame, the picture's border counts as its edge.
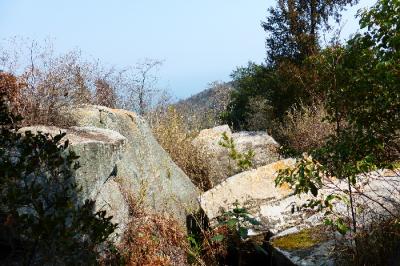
(265, 92)
(173, 136)
(378, 244)
(249, 82)
(303, 129)
(41, 221)
(11, 87)
(242, 161)
(227, 243)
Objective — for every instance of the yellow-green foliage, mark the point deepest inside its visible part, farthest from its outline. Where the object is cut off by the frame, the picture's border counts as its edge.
(302, 240)
(244, 161)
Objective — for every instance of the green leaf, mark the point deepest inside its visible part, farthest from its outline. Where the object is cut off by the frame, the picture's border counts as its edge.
(253, 221)
(232, 222)
(217, 238)
(243, 232)
(260, 249)
(342, 227)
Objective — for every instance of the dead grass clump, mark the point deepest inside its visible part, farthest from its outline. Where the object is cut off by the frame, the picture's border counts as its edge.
(105, 94)
(171, 133)
(151, 239)
(303, 128)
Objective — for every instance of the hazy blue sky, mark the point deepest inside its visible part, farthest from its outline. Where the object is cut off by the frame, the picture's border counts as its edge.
(201, 41)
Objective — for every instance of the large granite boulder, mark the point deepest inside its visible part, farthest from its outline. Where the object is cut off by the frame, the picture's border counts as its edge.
(252, 189)
(264, 146)
(99, 151)
(120, 156)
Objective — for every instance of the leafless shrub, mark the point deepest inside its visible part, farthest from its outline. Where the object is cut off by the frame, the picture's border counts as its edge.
(105, 94)
(50, 81)
(376, 237)
(142, 87)
(303, 128)
(53, 81)
(151, 239)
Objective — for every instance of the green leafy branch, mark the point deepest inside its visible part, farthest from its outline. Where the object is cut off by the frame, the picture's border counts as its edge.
(304, 177)
(238, 221)
(244, 161)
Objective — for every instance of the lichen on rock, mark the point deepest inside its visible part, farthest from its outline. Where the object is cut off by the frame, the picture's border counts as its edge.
(303, 239)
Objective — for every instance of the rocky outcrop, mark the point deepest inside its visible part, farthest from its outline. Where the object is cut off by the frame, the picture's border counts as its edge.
(119, 155)
(264, 146)
(376, 197)
(250, 188)
(255, 190)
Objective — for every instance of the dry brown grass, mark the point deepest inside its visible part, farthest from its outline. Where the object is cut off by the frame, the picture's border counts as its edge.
(215, 252)
(152, 239)
(303, 128)
(376, 245)
(171, 133)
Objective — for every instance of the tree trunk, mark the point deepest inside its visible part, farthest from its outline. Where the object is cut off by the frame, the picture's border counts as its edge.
(313, 27)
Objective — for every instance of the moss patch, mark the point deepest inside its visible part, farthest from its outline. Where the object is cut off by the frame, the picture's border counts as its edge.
(302, 240)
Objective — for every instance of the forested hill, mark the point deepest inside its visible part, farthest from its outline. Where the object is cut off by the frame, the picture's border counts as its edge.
(206, 106)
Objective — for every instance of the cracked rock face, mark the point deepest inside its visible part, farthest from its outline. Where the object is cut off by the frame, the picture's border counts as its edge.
(118, 154)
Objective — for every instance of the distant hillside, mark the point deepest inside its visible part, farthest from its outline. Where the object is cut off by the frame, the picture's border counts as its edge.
(203, 109)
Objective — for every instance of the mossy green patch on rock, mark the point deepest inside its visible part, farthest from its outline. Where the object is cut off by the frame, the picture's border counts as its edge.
(304, 239)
